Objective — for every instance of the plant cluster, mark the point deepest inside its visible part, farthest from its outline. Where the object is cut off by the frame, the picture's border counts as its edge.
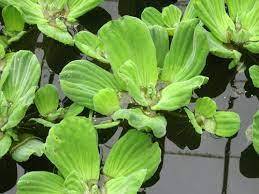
(155, 65)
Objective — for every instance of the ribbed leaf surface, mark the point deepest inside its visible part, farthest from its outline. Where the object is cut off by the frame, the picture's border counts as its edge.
(256, 132)
(254, 74)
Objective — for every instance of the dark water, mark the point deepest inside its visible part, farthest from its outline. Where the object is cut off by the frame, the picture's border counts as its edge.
(192, 164)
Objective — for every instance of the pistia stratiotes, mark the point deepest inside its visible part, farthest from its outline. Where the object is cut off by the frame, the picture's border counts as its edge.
(229, 33)
(147, 76)
(53, 17)
(72, 146)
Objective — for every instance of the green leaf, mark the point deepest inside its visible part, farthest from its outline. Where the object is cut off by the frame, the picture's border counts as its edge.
(5, 144)
(133, 152)
(237, 8)
(90, 45)
(171, 15)
(73, 184)
(139, 120)
(73, 110)
(3, 108)
(220, 50)
(13, 19)
(254, 74)
(128, 38)
(253, 47)
(78, 8)
(2, 51)
(24, 149)
(206, 107)
(189, 12)
(107, 125)
(41, 183)
(82, 156)
(31, 11)
(227, 123)
(126, 184)
(178, 94)
(213, 14)
(256, 132)
(188, 53)
(106, 101)
(161, 41)
(81, 80)
(58, 32)
(43, 122)
(193, 121)
(152, 16)
(47, 99)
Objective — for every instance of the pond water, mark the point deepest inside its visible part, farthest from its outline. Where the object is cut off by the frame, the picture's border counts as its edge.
(192, 164)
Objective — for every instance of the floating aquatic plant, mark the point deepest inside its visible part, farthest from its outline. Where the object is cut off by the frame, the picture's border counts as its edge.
(18, 83)
(53, 17)
(230, 33)
(146, 77)
(72, 146)
(206, 116)
(253, 132)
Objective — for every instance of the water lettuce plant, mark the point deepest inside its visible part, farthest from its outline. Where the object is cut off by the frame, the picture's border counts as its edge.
(53, 17)
(254, 74)
(169, 18)
(206, 116)
(18, 83)
(230, 33)
(253, 132)
(47, 103)
(72, 146)
(140, 85)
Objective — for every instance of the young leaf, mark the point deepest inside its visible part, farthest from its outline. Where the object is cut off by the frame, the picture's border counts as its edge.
(161, 41)
(213, 14)
(178, 94)
(73, 110)
(152, 16)
(47, 99)
(5, 144)
(41, 183)
(206, 107)
(74, 185)
(128, 38)
(171, 16)
(81, 80)
(24, 149)
(126, 184)
(137, 119)
(253, 47)
(13, 20)
(90, 45)
(81, 157)
(133, 152)
(254, 74)
(189, 12)
(188, 53)
(43, 122)
(193, 121)
(106, 101)
(237, 8)
(78, 8)
(256, 132)
(227, 123)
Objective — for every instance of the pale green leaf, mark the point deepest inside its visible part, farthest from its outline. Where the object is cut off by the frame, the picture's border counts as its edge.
(227, 123)
(106, 101)
(188, 53)
(3, 108)
(73, 110)
(43, 122)
(237, 8)
(13, 20)
(78, 8)
(193, 121)
(213, 14)
(74, 185)
(152, 16)
(178, 94)
(46, 99)
(161, 41)
(128, 38)
(68, 156)
(2, 51)
(256, 132)
(40, 183)
(126, 184)
(171, 15)
(206, 107)
(90, 45)
(133, 152)
(253, 47)
(107, 125)
(254, 74)
(81, 80)
(189, 12)
(5, 144)
(137, 119)
(24, 149)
